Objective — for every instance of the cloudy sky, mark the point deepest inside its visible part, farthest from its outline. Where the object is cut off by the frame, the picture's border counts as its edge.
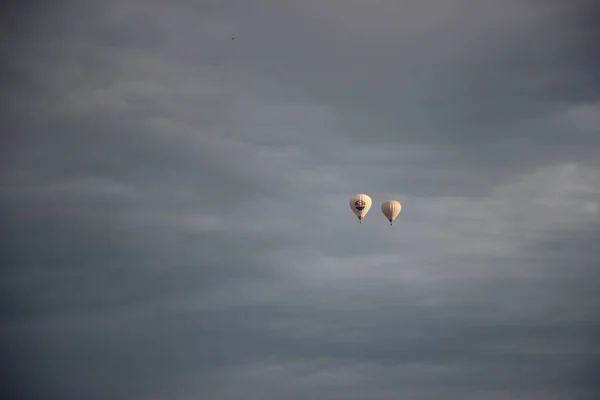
(175, 220)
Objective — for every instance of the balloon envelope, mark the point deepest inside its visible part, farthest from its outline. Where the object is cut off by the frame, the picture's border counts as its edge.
(391, 209)
(360, 204)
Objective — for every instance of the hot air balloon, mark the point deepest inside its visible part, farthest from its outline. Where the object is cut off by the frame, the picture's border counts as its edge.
(360, 205)
(391, 209)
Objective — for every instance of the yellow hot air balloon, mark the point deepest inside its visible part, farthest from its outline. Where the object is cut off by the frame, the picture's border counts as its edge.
(391, 209)
(360, 205)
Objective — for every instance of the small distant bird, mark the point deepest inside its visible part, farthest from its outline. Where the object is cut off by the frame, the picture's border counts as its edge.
(232, 38)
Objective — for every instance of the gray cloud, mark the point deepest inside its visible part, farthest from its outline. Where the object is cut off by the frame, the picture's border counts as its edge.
(175, 202)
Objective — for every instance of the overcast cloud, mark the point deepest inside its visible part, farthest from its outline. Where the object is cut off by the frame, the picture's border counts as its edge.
(175, 220)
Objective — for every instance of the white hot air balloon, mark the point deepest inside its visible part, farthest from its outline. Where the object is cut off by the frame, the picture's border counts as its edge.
(360, 205)
(391, 209)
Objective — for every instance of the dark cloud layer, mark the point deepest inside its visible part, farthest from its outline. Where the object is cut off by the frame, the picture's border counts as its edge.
(175, 203)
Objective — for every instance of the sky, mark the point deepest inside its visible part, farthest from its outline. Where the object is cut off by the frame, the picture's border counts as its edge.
(175, 218)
